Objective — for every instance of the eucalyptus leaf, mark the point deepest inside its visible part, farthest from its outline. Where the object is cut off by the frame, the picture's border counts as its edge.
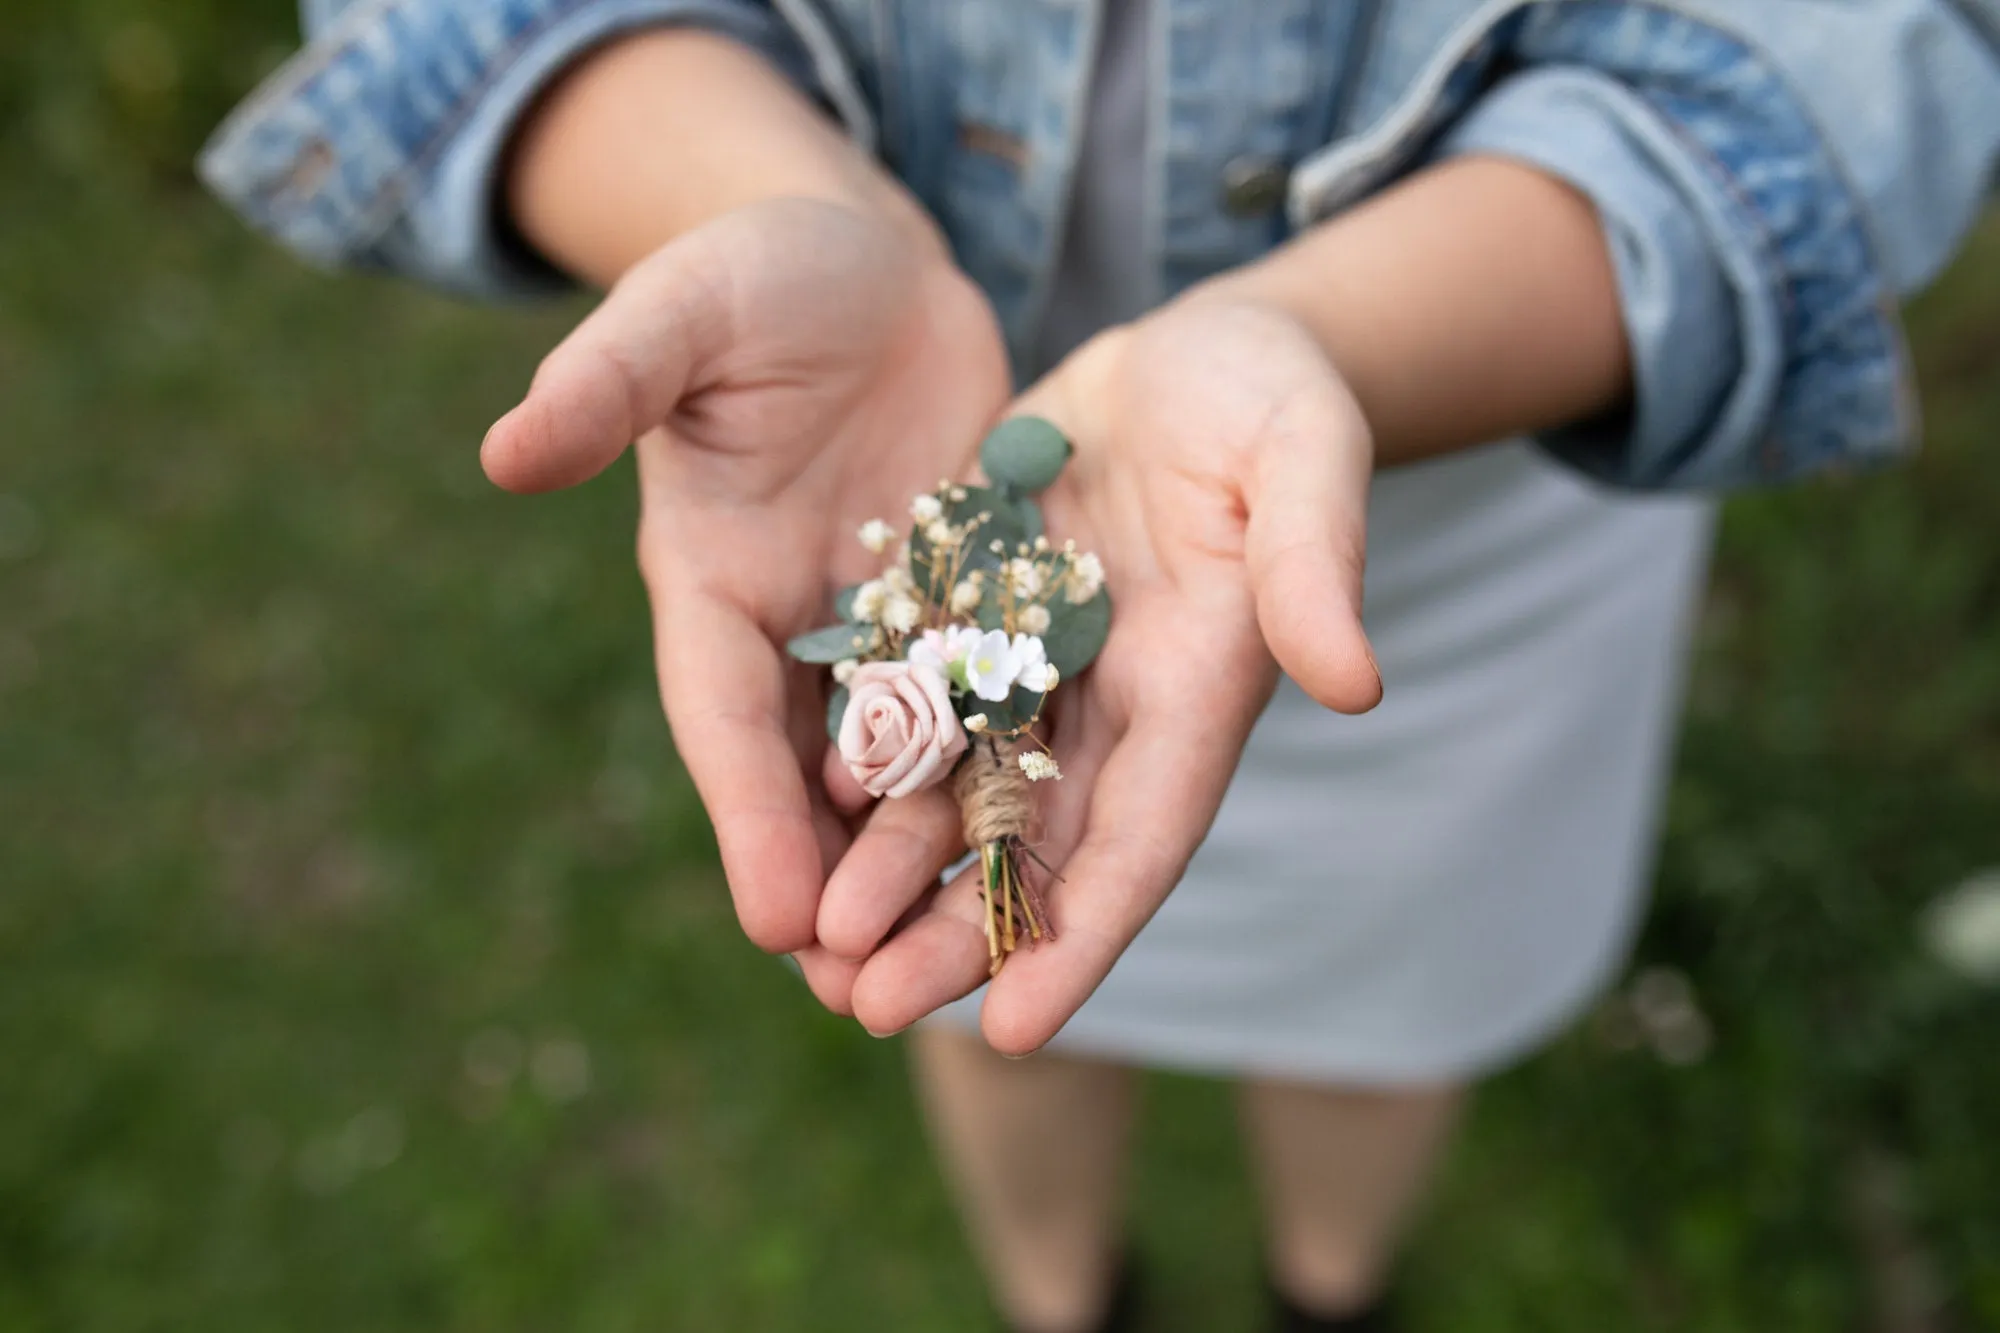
(992, 609)
(1076, 633)
(832, 644)
(836, 709)
(843, 601)
(1026, 454)
(1031, 518)
(1014, 711)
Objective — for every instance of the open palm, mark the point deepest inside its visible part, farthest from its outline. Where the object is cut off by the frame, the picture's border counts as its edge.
(788, 371)
(1221, 472)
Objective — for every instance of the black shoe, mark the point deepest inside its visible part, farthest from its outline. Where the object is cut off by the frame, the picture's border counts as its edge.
(1287, 1317)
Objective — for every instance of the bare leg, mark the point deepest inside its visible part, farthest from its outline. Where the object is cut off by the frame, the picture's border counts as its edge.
(1339, 1171)
(1035, 1151)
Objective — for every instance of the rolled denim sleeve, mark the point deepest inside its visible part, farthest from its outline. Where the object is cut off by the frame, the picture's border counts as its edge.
(1761, 236)
(380, 144)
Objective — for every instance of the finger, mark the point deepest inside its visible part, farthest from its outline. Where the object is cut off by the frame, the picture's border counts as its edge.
(1149, 809)
(895, 858)
(831, 978)
(723, 685)
(938, 957)
(1305, 542)
(842, 790)
(617, 375)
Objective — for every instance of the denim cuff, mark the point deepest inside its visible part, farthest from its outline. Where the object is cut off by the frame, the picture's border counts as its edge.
(381, 143)
(1763, 332)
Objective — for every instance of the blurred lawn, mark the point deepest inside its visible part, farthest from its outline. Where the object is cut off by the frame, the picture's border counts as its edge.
(364, 963)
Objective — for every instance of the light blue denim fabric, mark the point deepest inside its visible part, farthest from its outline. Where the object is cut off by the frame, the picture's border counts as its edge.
(1772, 174)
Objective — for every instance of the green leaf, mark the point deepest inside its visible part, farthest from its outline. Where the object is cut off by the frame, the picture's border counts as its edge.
(1031, 518)
(1012, 712)
(836, 709)
(832, 644)
(1026, 453)
(843, 602)
(1076, 633)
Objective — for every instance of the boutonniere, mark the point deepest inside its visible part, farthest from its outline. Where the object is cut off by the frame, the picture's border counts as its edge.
(944, 663)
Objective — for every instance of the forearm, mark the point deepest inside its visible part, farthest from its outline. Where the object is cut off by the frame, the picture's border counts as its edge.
(656, 134)
(1472, 302)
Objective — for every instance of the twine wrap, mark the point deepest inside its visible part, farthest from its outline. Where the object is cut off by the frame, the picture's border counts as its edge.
(995, 798)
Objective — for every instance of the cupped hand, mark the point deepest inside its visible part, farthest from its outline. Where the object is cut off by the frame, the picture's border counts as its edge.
(788, 371)
(1221, 472)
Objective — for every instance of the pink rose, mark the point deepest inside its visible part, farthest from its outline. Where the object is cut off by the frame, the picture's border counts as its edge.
(899, 733)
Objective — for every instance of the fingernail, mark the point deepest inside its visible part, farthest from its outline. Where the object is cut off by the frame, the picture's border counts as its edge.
(884, 1036)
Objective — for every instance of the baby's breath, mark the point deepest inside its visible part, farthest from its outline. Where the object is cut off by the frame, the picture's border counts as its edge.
(876, 535)
(1039, 766)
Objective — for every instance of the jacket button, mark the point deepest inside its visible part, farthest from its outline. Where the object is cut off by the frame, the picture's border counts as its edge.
(1253, 186)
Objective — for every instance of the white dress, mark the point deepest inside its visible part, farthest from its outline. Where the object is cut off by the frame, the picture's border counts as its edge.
(1432, 889)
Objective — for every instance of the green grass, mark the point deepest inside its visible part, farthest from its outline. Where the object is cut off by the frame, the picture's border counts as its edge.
(364, 963)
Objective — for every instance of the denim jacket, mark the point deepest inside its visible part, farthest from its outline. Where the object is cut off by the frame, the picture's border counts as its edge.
(1772, 175)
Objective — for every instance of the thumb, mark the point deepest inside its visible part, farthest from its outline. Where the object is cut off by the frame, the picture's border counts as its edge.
(616, 376)
(1306, 541)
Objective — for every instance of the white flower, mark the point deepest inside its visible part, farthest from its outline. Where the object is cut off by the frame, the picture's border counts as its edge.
(943, 649)
(1032, 661)
(1962, 928)
(1084, 579)
(942, 534)
(843, 670)
(976, 723)
(957, 494)
(876, 535)
(1024, 577)
(991, 667)
(903, 613)
(869, 599)
(926, 508)
(1034, 618)
(1052, 679)
(896, 578)
(1039, 766)
(965, 598)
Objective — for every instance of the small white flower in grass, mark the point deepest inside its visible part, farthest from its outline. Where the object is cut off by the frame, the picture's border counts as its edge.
(991, 667)
(1024, 577)
(926, 508)
(1039, 766)
(843, 670)
(1084, 579)
(903, 613)
(976, 723)
(876, 535)
(965, 598)
(1032, 662)
(1034, 618)
(1962, 928)
(869, 599)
